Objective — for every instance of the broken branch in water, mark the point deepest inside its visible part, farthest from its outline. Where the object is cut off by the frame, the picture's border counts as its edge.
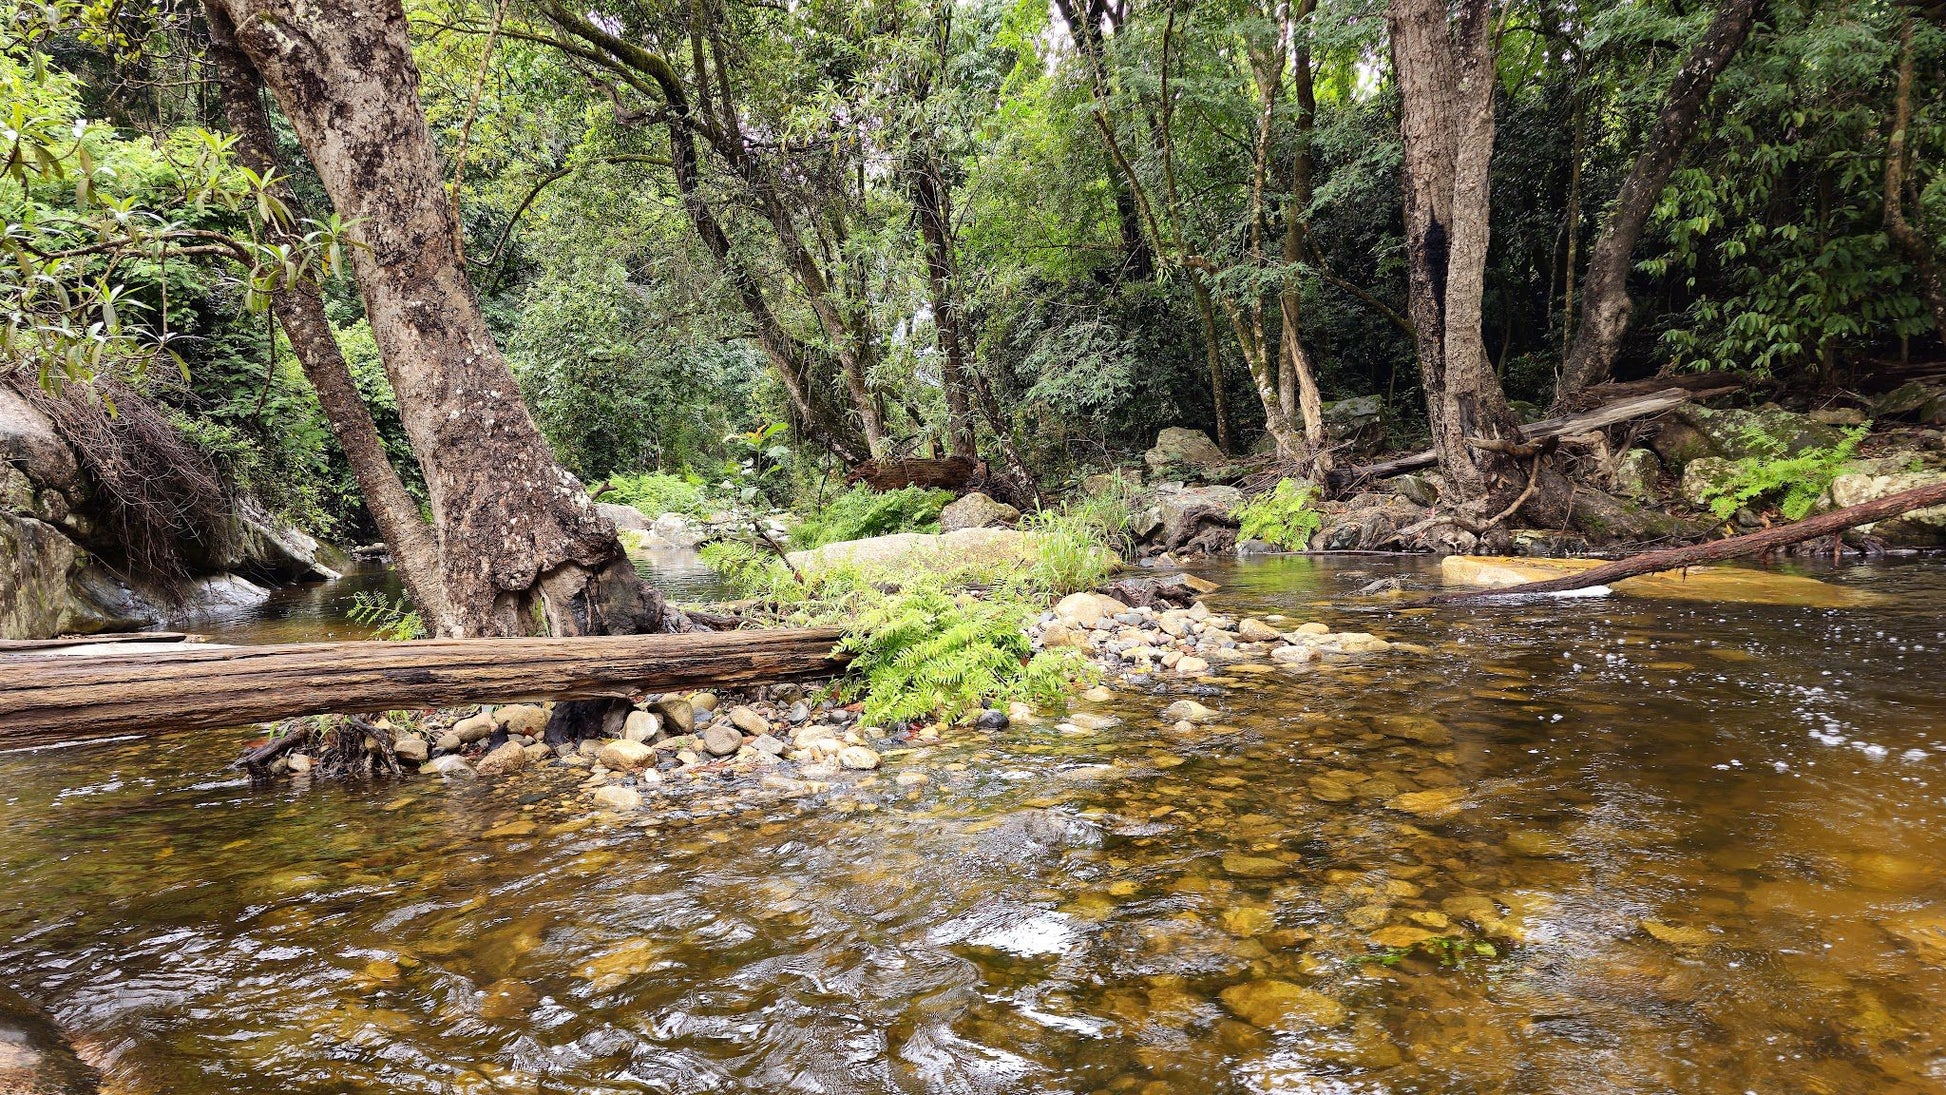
(1734, 547)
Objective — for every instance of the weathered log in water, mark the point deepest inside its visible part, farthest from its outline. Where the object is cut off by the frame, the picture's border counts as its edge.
(1733, 547)
(25, 646)
(44, 700)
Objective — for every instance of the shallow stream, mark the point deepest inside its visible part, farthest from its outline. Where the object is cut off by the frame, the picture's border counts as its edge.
(1692, 848)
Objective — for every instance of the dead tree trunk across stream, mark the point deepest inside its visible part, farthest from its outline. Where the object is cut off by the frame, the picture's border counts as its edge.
(53, 698)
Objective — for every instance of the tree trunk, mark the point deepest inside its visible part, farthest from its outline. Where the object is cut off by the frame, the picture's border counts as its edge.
(300, 309)
(1213, 353)
(46, 699)
(1605, 304)
(515, 531)
(930, 204)
(1297, 385)
(1916, 246)
(1446, 77)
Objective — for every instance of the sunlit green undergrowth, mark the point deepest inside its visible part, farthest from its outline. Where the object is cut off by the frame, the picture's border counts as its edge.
(656, 493)
(862, 512)
(928, 643)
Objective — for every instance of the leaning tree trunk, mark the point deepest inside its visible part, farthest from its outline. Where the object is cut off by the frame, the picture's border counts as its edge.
(516, 533)
(1605, 304)
(1917, 246)
(1446, 77)
(1297, 384)
(300, 309)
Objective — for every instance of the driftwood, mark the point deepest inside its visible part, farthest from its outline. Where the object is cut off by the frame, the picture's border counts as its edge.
(23, 646)
(958, 474)
(1620, 411)
(46, 699)
(1734, 547)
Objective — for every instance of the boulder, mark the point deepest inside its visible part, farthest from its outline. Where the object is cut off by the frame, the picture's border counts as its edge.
(473, 728)
(721, 741)
(1415, 488)
(625, 756)
(1087, 609)
(1636, 474)
(1703, 475)
(1360, 418)
(617, 797)
(642, 726)
(677, 714)
(976, 510)
(1252, 630)
(1765, 431)
(964, 547)
(504, 761)
(675, 530)
(221, 595)
(1180, 450)
(521, 718)
(747, 720)
(411, 747)
(1199, 518)
(1920, 528)
(1057, 635)
(1916, 400)
(857, 758)
(624, 518)
(48, 586)
(1677, 443)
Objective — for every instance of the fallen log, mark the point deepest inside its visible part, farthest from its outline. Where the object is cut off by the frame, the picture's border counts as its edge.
(1620, 411)
(22, 646)
(1733, 547)
(45, 699)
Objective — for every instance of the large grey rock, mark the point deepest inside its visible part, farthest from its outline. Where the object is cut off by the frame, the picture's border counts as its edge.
(1636, 473)
(1920, 528)
(28, 439)
(1701, 476)
(221, 595)
(48, 587)
(970, 546)
(1356, 417)
(1916, 400)
(675, 530)
(976, 510)
(1195, 517)
(1178, 449)
(1766, 431)
(626, 518)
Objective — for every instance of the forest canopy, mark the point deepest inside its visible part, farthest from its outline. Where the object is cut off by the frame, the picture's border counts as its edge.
(1032, 231)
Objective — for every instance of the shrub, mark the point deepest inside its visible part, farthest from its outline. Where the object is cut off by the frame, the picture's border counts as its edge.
(656, 493)
(861, 512)
(1282, 518)
(1795, 483)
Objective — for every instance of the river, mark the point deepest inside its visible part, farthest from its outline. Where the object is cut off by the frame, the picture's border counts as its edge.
(1699, 852)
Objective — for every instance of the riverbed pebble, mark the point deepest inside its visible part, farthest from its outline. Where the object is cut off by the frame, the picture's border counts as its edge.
(506, 760)
(721, 741)
(858, 758)
(625, 755)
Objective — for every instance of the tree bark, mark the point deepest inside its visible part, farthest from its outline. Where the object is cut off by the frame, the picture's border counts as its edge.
(1733, 547)
(1916, 246)
(300, 310)
(516, 533)
(930, 203)
(47, 699)
(1605, 303)
(1446, 77)
(1297, 384)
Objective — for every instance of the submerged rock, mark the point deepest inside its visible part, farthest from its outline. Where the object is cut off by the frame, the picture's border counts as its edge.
(1283, 1006)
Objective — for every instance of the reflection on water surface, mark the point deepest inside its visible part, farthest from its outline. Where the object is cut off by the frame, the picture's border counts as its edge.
(1586, 846)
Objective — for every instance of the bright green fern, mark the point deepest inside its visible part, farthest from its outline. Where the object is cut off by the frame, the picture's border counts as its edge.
(1795, 483)
(1283, 518)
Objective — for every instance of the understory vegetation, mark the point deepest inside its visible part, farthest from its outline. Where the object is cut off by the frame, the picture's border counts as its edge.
(1795, 484)
(1283, 517)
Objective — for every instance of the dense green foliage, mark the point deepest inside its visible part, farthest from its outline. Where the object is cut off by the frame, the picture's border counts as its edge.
(1794, 483)
(1283, 517)
(861, 511)
(1113, 219)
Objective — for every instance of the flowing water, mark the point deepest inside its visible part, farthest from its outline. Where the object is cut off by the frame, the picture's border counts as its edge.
(1689, 848)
